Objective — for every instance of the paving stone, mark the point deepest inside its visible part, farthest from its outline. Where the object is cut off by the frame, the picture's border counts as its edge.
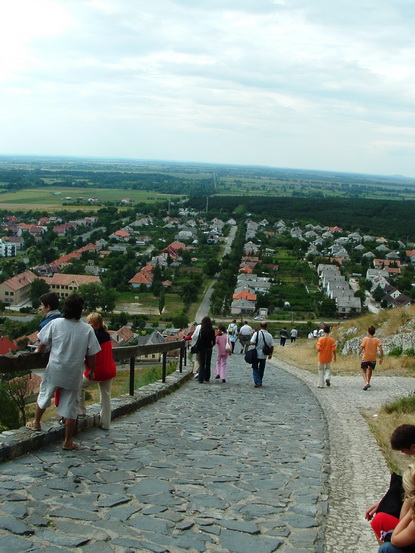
(86, 530)
(15, 526)
(150, 486)
(14, 508)
(113, 500)
(151, 524)
(239, 526)
(97, 547)
(57, 538)
(243, 543)
(14, 544)
(76, 514)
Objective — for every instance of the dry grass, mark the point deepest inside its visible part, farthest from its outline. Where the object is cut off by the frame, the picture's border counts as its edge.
(303, 354)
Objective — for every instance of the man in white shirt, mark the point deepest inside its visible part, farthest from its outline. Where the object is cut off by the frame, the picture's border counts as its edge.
(245, 334)
(264, 344)
(71, 342)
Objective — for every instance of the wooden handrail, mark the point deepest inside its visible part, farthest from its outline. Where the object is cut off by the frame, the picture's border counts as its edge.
(33, 361)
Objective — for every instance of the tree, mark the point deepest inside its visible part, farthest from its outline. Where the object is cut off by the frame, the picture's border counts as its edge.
(181, 320)
(108, 300)
(162, 300)
(91, 294)
(211, 267)
(37, 289)
(9, 412)
(19, 388)
(378, 293)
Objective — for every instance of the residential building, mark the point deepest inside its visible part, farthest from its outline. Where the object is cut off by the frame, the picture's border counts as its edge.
(16, 290)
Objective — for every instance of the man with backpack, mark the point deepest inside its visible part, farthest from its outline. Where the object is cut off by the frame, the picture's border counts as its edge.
(233, 333)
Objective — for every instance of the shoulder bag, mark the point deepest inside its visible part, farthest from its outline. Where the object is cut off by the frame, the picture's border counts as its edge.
(252, 355)
(266, 350)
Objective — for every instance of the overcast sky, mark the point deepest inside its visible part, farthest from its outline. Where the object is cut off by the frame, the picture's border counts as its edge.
(312, 84)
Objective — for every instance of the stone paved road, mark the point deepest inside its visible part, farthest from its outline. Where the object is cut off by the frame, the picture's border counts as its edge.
(358, 472)
(214, 467)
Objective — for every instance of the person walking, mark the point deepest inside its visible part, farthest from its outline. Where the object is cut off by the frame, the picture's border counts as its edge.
(264, 344)
(224, 350)
(233, 334)
(104, 373)
(283, 336)
(370, 346)
(245, 334)
(206, 340)
(70, 341)
(293, 335)
(326, 347)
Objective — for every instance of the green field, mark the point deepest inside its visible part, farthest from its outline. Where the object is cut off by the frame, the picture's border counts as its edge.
(56, 198)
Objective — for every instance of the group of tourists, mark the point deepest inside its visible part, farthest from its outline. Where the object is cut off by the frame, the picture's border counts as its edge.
(80, 354)
(205, 338)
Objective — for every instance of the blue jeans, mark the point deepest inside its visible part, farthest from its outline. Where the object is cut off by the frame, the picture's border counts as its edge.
(205, 361)
(387, 547)
(258, 368)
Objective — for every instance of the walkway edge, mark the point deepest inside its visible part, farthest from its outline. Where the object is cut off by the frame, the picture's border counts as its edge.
(14, 443)
(358, 469)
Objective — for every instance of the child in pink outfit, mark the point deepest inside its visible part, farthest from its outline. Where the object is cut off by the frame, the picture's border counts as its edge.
(222, 360)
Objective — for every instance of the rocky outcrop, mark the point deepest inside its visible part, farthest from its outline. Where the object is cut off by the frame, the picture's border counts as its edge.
(401, 339)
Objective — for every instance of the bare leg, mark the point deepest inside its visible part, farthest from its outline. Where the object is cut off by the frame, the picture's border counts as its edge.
(69, 430)
(38, 414)
(364, 371)
(369, 375)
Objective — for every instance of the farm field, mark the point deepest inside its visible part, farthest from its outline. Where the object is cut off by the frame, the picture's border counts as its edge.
(53, 199)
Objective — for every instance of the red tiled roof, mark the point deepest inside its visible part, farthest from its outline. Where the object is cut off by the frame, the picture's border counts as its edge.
(21, 280)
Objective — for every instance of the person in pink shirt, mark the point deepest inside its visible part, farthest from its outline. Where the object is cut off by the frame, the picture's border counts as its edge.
(224, 350)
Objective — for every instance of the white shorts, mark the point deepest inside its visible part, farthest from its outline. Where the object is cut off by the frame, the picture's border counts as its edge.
(68, 399)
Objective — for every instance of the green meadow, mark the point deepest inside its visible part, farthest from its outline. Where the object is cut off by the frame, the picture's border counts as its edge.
(56, 198)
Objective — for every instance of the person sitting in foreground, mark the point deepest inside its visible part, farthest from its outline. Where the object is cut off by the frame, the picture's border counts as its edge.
(385, 514)
(402, 539)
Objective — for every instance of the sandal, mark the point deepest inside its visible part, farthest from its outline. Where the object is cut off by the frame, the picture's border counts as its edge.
(70, 447)
(31, 425)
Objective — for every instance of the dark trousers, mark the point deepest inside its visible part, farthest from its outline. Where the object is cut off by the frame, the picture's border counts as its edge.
(205, 361)
(258, 368)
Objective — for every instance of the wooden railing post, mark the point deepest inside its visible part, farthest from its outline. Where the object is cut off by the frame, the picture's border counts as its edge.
(132, 367)
(164, 367)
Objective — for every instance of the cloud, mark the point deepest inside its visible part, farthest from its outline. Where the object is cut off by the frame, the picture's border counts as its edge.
(272, 82)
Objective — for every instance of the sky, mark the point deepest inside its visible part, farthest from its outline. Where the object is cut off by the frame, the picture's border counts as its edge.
(307, 84)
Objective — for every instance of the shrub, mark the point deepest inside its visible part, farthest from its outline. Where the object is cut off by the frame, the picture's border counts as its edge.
(9, 412)
(410, 352)
(401, 405)
(396, 351)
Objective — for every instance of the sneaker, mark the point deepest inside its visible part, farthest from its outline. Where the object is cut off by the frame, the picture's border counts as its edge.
(327, 382)
(217, 376)
(223, 380)
(366, 387)
(196, 377)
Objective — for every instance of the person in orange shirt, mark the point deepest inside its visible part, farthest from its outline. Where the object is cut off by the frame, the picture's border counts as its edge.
(370, 345)
(326, 346)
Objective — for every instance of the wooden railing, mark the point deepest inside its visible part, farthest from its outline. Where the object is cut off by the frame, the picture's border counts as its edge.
(33, 361)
